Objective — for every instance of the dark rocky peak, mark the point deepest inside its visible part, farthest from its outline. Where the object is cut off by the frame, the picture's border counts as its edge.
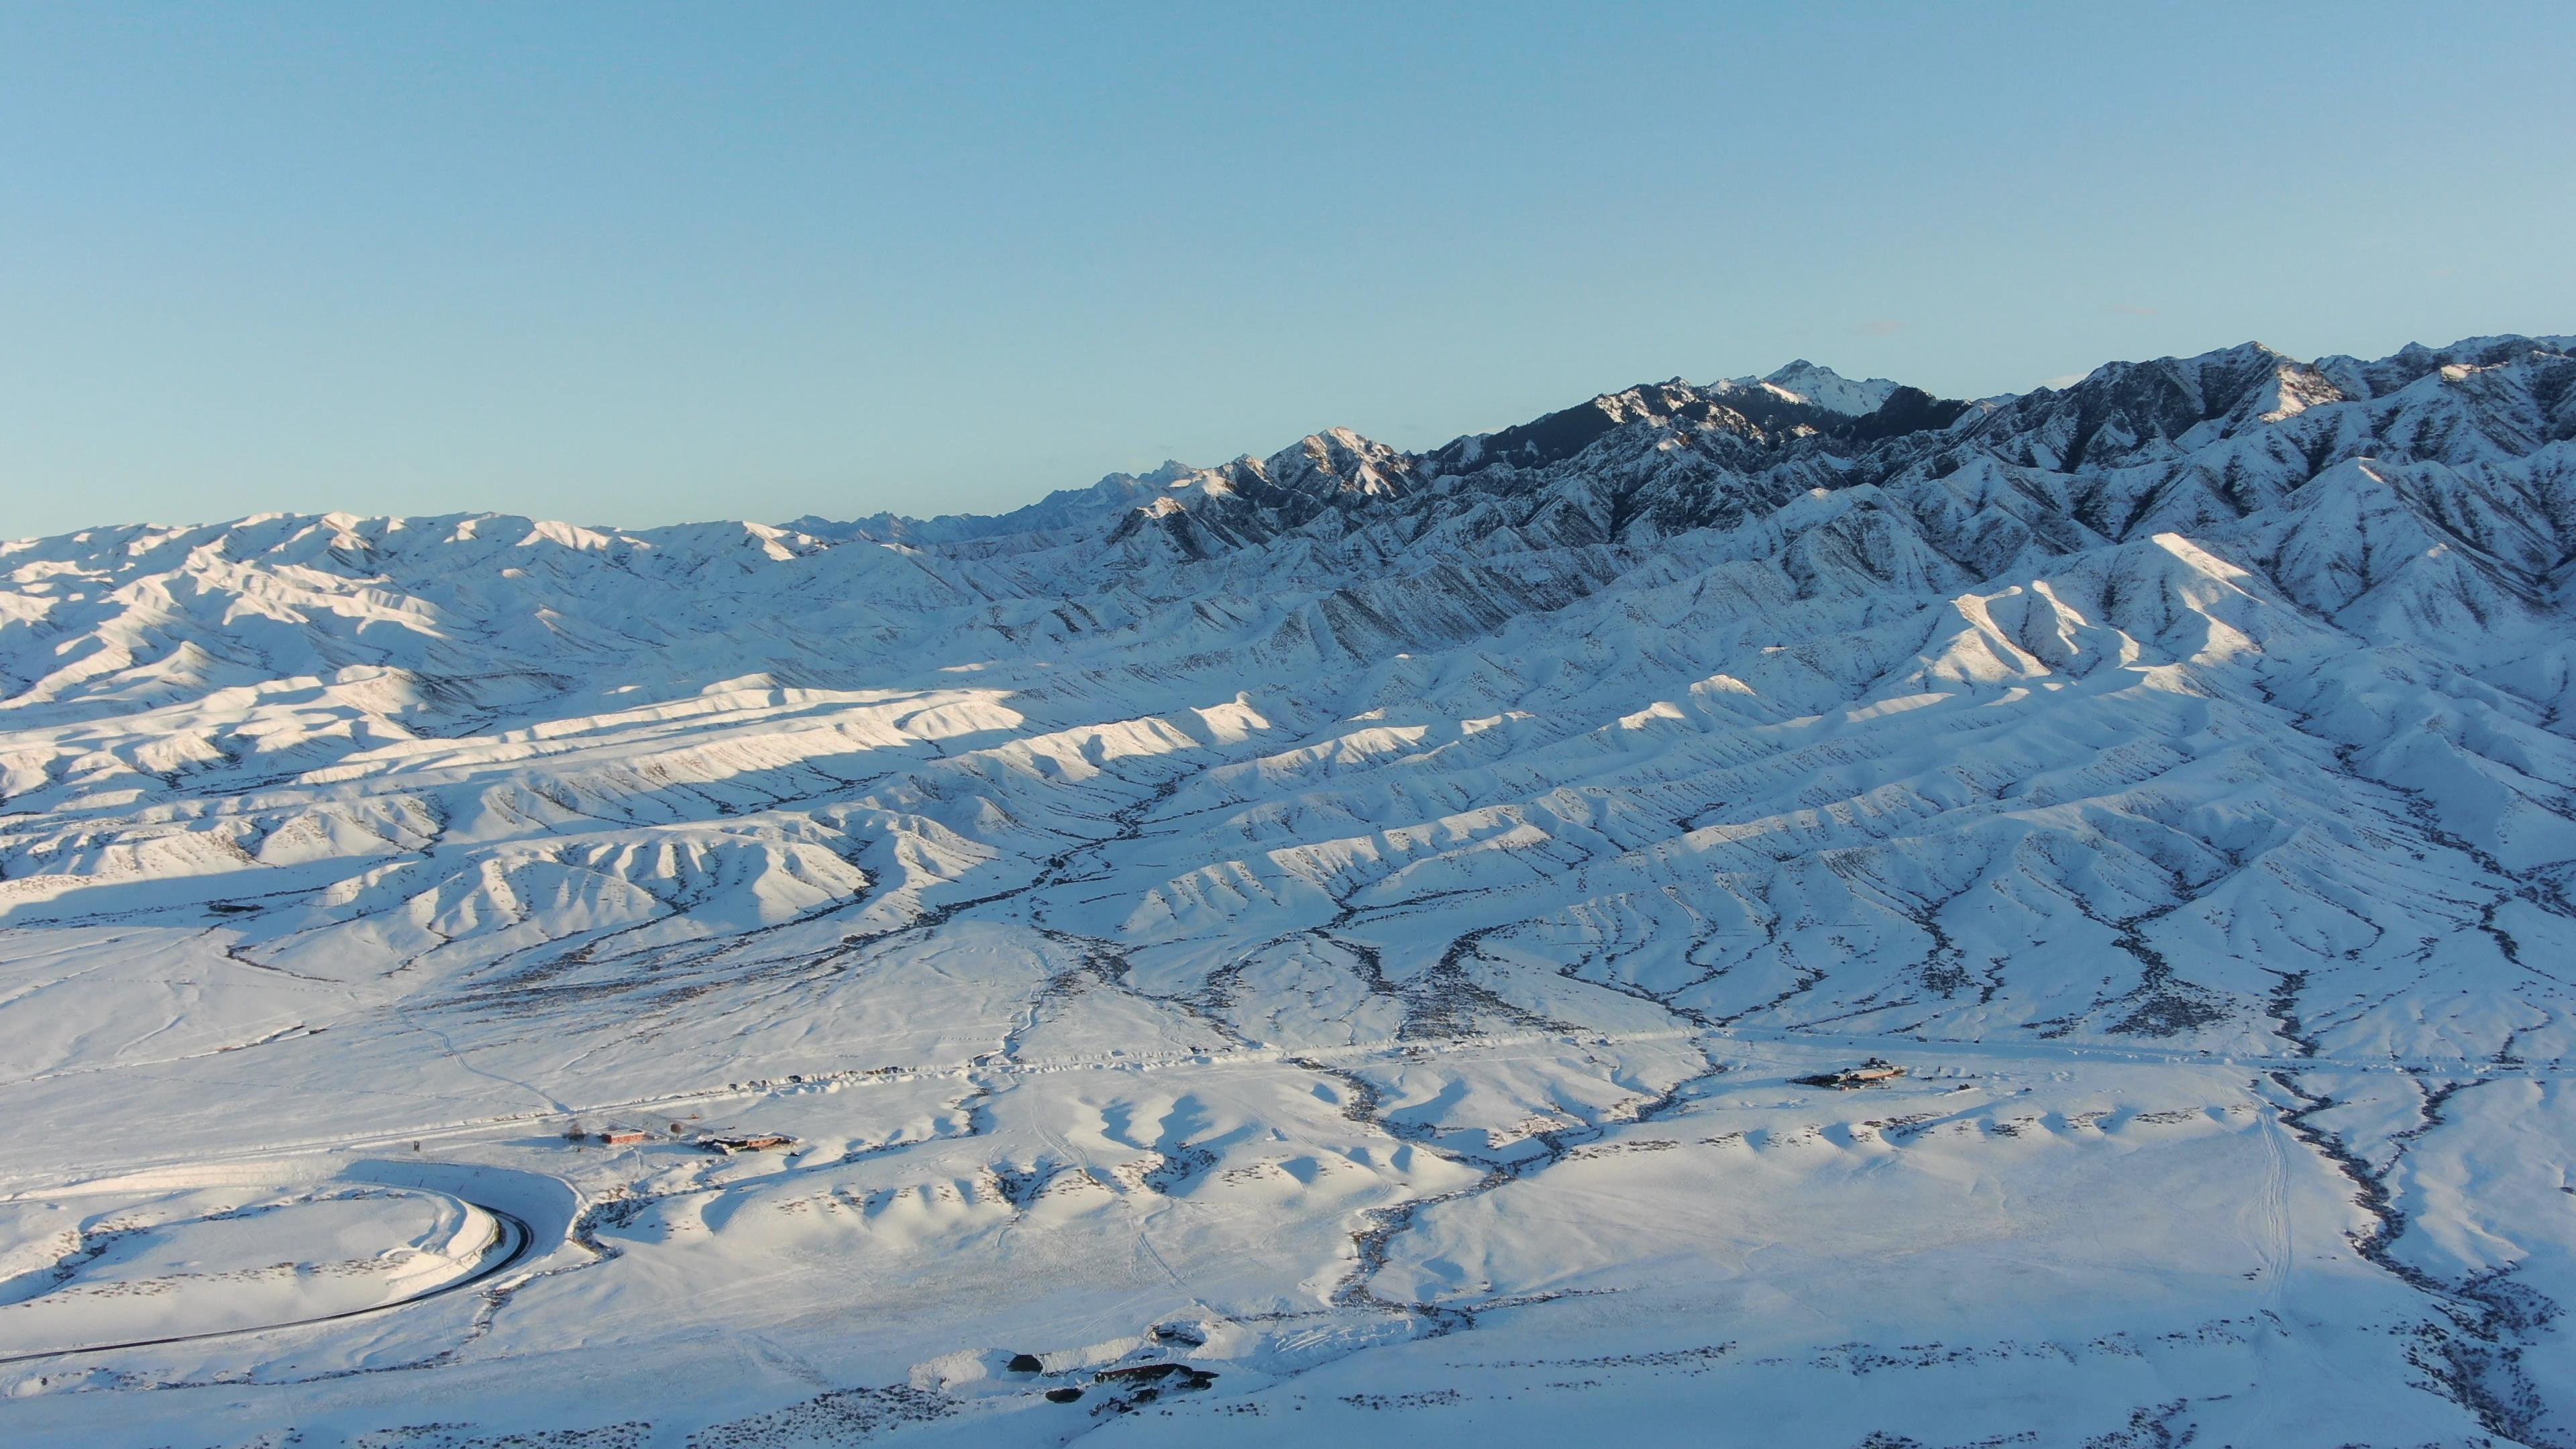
(2179, 393)
(1254, 499)
(1761, 416)
(2126, 411)
(1581, 475)
(1907, 410)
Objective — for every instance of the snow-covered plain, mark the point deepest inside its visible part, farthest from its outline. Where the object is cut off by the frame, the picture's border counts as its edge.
(1324, 949)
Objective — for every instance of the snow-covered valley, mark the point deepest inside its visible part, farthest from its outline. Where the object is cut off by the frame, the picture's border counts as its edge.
(1332, 948)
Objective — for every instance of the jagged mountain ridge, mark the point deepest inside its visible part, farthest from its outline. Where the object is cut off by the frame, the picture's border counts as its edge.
(1718, 561)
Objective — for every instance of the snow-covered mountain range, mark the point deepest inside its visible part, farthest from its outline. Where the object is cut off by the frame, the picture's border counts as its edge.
(1327, 945)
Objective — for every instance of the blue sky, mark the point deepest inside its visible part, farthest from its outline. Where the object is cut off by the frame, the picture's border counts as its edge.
(636, 264)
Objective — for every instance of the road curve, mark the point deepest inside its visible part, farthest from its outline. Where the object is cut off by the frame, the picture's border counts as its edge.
(512, 1243)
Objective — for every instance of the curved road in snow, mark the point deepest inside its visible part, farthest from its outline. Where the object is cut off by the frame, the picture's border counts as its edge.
(512, 1244)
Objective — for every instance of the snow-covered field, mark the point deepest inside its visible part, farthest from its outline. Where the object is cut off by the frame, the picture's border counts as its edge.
(1331, 948)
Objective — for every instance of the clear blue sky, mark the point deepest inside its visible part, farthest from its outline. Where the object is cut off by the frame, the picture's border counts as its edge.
(637, 263)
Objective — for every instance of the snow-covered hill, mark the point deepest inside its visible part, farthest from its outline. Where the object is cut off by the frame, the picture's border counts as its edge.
(1324, 904)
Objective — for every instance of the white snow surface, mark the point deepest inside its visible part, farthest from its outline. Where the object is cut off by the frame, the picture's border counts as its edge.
(1324, 949)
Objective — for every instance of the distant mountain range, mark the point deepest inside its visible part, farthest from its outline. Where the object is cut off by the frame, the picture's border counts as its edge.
(2368, 559)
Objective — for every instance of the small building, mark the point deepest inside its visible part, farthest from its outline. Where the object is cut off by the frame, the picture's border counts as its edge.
(621, 1136)
(746, 1142)
(1866, 1074)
